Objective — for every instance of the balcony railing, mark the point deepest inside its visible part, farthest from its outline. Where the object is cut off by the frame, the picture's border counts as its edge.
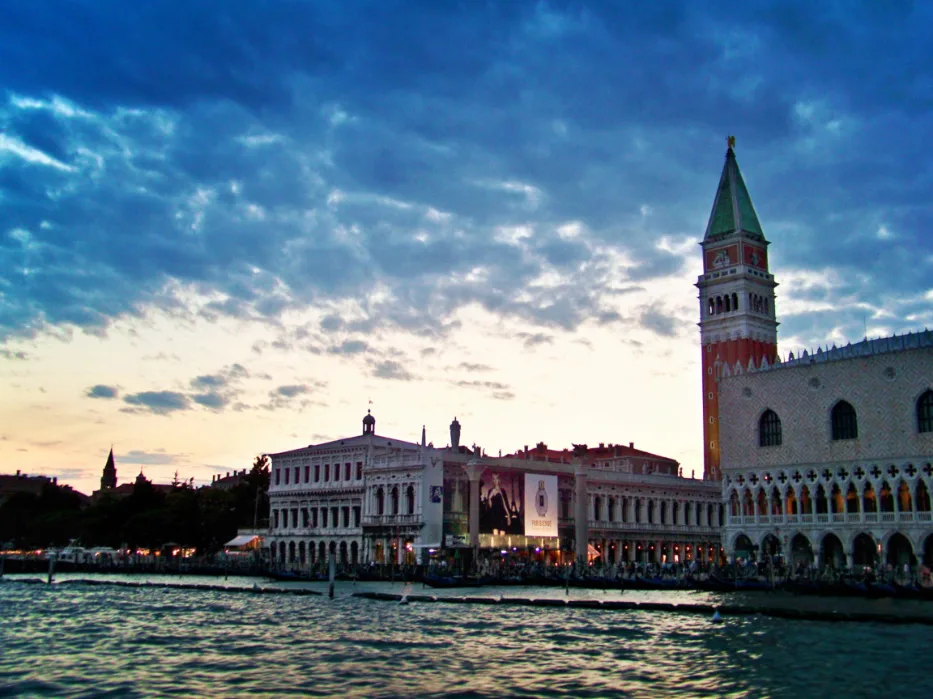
(391, 520)
(652, 527)
(836, 517)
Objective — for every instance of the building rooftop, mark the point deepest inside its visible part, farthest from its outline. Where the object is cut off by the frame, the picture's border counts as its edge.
(732, 207)
(865, 348)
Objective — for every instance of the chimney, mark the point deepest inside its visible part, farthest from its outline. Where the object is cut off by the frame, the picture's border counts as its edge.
(631, 445)
(602, 445)
(55, 480)
(17, 473)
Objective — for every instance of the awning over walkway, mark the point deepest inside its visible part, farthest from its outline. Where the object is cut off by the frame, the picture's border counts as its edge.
(242, 540)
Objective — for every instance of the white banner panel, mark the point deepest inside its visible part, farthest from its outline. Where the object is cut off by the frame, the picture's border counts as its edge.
(540, 505)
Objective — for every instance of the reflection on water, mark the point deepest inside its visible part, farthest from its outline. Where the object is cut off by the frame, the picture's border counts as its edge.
(78, 640)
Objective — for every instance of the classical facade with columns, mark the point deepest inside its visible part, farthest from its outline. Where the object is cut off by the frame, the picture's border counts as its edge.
(371, 498)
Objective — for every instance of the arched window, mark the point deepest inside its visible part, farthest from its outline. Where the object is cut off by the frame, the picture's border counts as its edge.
(597, 506)
(869, 502)
(769, 430)
(410, 498)
(719, 304)
(925, 412)
(727, 303)
(923, 497)
(735, 302)
(380, 502)
(845, 422)
(610, 509)
(394, 496)
(712, 309)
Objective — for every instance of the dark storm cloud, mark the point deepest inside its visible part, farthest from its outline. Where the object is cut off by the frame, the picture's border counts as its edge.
(292, 396)
(390, 369)
(659, 322)
(290, 391)
(157, 402)
(101, 391)
(319, 151)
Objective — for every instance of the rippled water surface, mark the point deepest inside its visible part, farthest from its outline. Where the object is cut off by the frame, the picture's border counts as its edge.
(82, 640)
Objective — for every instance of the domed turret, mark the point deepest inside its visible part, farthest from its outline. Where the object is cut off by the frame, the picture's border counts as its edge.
(369, 423)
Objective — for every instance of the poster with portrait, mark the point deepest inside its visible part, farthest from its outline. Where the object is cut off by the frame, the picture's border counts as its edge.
(540, 505)
(501, 502)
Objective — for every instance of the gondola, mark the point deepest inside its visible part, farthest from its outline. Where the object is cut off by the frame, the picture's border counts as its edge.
(448, 581)
(643, 583)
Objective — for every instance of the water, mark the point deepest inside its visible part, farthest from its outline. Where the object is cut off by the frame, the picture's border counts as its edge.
(73, 640)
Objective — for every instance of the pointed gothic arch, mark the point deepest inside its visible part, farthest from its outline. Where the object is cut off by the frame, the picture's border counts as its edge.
(762, 503)
(923, 497)
(734, 505)
(832, 552)
(886, 498)
(869, 500)
(837, 503)
(852, 499)
(806, 502)
(864, 550)
(820, 503)
(899, 551)
(905, 502)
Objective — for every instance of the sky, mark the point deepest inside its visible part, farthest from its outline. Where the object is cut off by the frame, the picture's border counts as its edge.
(231, 228)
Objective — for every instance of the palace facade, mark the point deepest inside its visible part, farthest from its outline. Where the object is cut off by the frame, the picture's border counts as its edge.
(371, 498)
(824, 458)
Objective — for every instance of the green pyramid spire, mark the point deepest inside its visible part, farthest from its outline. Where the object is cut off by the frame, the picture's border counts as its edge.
(732, 207)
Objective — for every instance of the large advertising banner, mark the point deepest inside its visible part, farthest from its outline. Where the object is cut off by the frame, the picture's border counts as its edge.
(540, 505)
(501, 503)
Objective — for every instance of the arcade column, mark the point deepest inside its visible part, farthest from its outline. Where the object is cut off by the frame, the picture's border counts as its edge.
(580, 516)
(474, 469)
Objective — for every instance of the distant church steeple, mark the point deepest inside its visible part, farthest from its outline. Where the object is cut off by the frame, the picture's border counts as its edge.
(109, 478)
(738, 323)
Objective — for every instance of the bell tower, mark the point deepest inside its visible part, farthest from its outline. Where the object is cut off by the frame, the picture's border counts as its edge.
(738, 324)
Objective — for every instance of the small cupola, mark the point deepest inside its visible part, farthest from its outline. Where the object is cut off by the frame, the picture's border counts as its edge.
(369, 423)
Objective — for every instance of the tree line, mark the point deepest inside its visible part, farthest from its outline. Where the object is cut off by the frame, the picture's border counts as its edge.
(202, 518)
